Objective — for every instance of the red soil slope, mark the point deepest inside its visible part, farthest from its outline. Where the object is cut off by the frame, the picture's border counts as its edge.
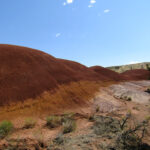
(107, 73)
(26, 73)
(137, 74)
(83, 72)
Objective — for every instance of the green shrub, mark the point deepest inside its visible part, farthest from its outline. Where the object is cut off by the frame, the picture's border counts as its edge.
(29, 123)
(68, 116)
(5, 128)
(69, 126)
(53, 121)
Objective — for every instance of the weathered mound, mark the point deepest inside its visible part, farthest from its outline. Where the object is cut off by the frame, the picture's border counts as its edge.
(123, 68)
(84, 72)
(107, 73)
(137, 74)
(26, 73)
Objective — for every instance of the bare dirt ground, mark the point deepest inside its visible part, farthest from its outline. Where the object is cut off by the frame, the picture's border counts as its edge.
(113, 101)
(123, 96)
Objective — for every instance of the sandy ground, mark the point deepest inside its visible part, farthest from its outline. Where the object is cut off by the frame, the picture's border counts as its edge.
(109, 101)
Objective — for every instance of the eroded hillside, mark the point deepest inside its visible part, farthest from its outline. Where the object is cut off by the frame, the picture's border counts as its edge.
(115, 119)
(123, 68)
(51, 103)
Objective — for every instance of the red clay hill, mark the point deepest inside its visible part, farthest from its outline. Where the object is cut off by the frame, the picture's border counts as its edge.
(26, 73)
(137, 74)
(106, 72)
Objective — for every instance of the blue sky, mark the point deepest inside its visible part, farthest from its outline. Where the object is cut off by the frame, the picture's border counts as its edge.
(92, 32)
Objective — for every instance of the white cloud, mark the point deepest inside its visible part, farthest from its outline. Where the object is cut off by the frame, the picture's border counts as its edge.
(134, 62)
(93, 1)
(57, 35)
(90, 6)
(69, 1)
(106, 10)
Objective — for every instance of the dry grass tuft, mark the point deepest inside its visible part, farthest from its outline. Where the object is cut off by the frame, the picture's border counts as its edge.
(29, 123)
(69, 126)
(53, 121)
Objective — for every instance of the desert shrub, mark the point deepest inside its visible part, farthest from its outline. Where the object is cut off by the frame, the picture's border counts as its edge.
(53, 121)
(29, 123)
(39, 136)
(69, 123)
(5, 128)
(105, 126)
(125, 134)
(69, 126)
(129, 99)
(68, 116)
(126, 98)
(59, 139)
(15, 144)
(131, 137)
